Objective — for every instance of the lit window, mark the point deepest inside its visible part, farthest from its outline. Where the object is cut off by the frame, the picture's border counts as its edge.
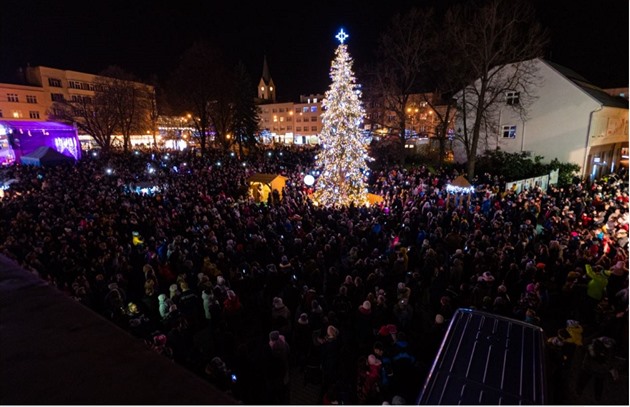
(313, 108)
(12, 97)
(271, 89)
(282, 119)
(16, 114)
(54, 82)
(31, 99)
(33, 114)
(305, 109)
(262, 88)
(512, 98)
(509, 131)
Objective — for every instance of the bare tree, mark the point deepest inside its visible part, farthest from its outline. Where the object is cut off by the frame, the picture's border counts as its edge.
(153, 105)
(198, 88)
(494, 42)
(93, 115)
(402, 52)
(129, 100)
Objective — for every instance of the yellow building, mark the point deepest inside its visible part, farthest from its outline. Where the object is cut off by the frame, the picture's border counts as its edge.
(22, 102)
(43, 86)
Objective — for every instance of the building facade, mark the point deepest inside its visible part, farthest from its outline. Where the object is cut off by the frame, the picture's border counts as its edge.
(45, 85)
(567, 118)
(22, 102)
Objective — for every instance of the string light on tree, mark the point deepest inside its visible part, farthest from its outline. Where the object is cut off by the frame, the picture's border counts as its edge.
(344, 153)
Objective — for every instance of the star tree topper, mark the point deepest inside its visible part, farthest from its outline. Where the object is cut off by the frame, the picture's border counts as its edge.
(341, 36)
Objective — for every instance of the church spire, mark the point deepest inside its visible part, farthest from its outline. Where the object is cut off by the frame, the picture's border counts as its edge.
(265, 72)
(266, 87)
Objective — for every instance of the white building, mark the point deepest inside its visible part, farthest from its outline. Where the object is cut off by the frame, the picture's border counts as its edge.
(567, 118)
(287, 122)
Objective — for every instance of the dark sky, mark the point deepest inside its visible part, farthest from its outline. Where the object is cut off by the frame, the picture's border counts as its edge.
(147, 36)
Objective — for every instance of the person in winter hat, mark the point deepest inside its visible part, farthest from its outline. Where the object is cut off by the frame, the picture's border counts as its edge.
(368, 377)
(277, 375)
(363, 326)
(575, 332)
(403, 292)
(280, 316)
(302, 339)
(165, 305)
(595, 291)
(209, 303)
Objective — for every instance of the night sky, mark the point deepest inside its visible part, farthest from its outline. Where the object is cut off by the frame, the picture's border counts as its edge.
(146, 37)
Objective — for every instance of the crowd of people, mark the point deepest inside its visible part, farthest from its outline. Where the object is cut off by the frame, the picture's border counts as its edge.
(173, 248)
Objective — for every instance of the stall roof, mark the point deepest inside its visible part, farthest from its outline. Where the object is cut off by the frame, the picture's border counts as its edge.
(264, 178)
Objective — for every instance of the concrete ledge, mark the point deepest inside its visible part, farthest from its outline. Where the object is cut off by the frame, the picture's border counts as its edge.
(55, 351)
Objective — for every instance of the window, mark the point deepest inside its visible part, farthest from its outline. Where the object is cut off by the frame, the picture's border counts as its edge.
(298, 119)
(296, 129)
(305, 109)
(31, 99)
(281, 119)
(12, 97)
(297, 110)
(74, 84)
(16, 114)
(56, 97)
(33, 114)
(512, 98)
(289, 128)
(509, 131)
(1, 115)
(313, 118)
(281, 110)
(313, 109)
(54, 82)
(314, 128)
(274, 110)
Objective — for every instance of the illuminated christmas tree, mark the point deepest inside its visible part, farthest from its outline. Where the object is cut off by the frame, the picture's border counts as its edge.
(343, 150)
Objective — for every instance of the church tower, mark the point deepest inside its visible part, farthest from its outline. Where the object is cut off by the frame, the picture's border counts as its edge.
(266, 87)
